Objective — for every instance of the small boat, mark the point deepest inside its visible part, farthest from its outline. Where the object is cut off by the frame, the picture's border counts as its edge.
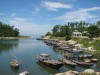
(68, 62)
(94, 60)
(85, 56)
(91, 60)
(24, 73)
(82, 56)
(83, 63)
(87, 60)
(14, 63)
(45, 59)
(74, 51)
(64, 48)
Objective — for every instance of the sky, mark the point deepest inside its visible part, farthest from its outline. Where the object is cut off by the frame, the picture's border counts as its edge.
(37, 17)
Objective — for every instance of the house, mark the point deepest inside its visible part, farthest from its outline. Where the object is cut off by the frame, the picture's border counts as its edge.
(77, 33)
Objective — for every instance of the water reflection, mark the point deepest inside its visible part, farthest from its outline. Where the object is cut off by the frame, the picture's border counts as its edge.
(15, 70)
(57, 51)
(46, 68)
(6, 45)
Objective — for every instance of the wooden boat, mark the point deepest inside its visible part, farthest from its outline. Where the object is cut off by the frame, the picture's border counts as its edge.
(14, 63)
(63, 48)
(56, 45)
(94, 60)
(91, 60)
(45, 59)
(24, 73)
(82, 55)
(83, 63)
(85, 56)
(68, 62)
(74, 51)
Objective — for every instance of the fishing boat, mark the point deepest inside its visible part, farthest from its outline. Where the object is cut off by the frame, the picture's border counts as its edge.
(74, 51)
(14, 63)
(24, 73)
(64, 48)
(82, 55)
(68, 62)
(91, 60)
(85, 56)
(83, 63)
(45, 59)
(94, 60)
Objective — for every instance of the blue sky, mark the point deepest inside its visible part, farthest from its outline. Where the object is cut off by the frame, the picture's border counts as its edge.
(36, 17)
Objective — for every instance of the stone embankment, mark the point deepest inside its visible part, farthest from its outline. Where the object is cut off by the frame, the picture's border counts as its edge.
(4, 38)
(85, 72)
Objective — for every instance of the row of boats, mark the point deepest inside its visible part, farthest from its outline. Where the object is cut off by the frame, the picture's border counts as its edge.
(84, 59)
(56, 64)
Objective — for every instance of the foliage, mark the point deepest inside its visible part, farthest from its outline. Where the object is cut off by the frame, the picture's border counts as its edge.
(48, 34)
(62, 31)
(98, 24)
(56, 31)
(8, 31)
(88, 42)
(93, 31)
(87, 29)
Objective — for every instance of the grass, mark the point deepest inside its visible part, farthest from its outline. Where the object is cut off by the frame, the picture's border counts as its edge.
(95, 43)
(88, 42)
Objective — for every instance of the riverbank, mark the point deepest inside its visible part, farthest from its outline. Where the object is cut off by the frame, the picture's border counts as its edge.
(88, 43)
(19, 37)
(91, 44)
(85, 72)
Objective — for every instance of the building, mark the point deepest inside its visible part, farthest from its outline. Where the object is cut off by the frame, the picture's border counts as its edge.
(77, 33)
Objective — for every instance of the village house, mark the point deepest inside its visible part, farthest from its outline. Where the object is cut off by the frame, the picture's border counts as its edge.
(77, 33)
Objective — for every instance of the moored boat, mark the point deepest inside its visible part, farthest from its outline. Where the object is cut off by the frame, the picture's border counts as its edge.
(14, 63)
(85, 56)
(83, 63)
(82, 56)
(91, 60)
(68, 62)
(24, 73)
(45, 59)
(74, 51)
(94, 60)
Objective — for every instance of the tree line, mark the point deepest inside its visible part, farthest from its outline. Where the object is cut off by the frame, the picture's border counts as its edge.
(8, 31)
(93, 30)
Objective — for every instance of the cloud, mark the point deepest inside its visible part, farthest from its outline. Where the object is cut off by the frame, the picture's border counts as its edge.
(54, 6)
(29, 28)
(13, 14)
(78, 15)
(91, 9)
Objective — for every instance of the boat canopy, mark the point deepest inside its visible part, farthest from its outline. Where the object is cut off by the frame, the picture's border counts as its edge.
(44, 55)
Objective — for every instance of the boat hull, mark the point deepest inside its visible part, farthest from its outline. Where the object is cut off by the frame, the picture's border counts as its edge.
(84, 64)
(55, 66)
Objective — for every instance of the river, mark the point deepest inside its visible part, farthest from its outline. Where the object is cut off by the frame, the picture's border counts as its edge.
(26, 50)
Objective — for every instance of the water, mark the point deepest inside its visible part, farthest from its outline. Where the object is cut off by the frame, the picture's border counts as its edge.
(26, 51)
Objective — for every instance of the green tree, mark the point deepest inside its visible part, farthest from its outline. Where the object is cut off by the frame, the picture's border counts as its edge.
(93, 31)
(7, 30)
(98, 24)
(48, 34)
(56, 30)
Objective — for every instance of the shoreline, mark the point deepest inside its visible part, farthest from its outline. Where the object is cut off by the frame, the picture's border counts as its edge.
(19, 37)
